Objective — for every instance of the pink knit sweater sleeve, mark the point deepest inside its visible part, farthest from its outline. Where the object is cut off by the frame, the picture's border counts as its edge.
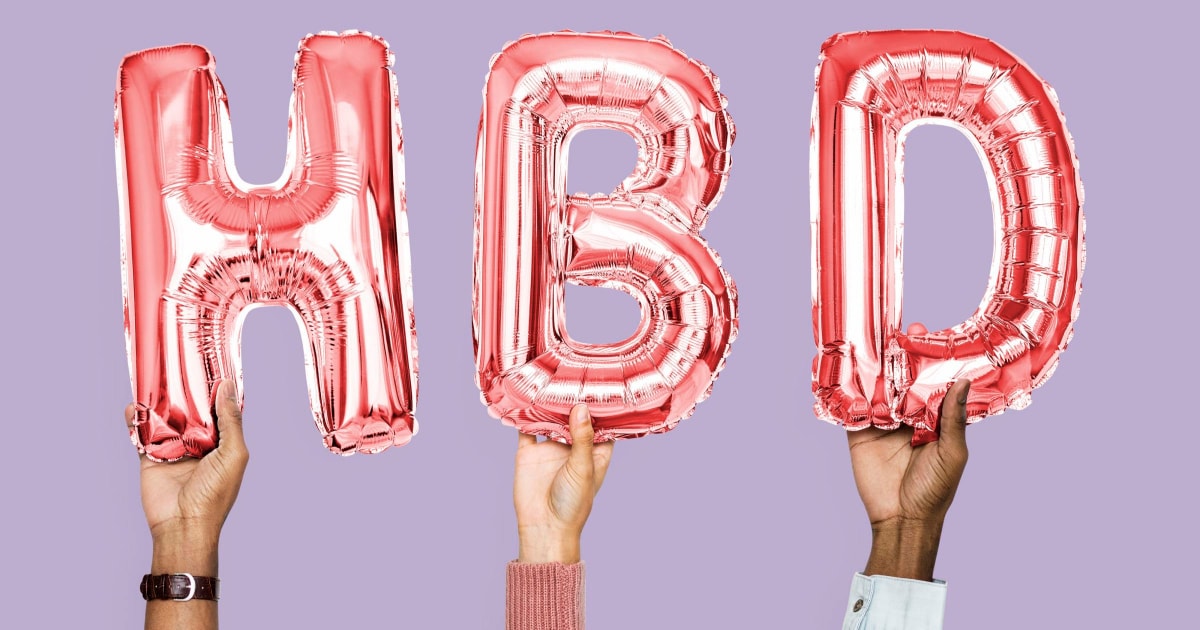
(545, 596)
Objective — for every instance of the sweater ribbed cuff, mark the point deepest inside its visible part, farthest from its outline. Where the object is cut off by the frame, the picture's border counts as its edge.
(545, 596)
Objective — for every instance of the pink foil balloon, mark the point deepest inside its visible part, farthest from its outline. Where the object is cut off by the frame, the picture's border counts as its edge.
(643, 238)
(329, 240)
(872, 88)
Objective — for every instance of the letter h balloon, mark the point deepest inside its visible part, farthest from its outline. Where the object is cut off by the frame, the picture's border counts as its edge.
(328, 240)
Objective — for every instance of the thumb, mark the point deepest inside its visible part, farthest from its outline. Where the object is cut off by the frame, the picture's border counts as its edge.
(580, 460)
(954, 414)
(229, 419)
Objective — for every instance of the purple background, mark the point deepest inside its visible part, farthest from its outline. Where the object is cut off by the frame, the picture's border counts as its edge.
(1074, 512)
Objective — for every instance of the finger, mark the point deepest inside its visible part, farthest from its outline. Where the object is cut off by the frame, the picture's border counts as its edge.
(582, 436)
(954, 414)
(130, 419)
(229, 419)
(917, 328)
(601, 456)
(525, 439)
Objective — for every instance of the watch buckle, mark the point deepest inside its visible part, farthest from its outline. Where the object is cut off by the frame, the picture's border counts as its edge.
(191, 586)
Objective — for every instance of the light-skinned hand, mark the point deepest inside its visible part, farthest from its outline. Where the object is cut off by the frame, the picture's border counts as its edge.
(553, 488)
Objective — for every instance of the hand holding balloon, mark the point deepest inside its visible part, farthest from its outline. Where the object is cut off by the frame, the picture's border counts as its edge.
(186, 504)
(188, 501)
(553, 488)
(907, 489)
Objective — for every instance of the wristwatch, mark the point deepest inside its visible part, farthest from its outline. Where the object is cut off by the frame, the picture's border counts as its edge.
(180, 587)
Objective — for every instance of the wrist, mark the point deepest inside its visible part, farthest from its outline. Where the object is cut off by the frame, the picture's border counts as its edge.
(185, 550)
(904, 548)
(548, 545)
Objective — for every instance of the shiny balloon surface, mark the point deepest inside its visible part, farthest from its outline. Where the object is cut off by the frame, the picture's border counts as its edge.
(328, 240)
(531, 237)
(872, 89)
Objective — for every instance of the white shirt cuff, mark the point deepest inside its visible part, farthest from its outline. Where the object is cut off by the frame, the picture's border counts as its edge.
(880, 602)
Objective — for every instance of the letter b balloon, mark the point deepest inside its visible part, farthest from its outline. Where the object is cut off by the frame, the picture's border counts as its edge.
(642, 239)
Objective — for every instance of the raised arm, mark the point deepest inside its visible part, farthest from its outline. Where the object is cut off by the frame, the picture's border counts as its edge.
(553, 488)
(186, 503)
(907, 492)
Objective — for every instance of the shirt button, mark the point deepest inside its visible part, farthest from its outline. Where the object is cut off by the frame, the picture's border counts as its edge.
(858, 605)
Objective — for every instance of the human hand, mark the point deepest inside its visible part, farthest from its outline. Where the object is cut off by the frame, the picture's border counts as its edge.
(907, 490)
(553, 488)
(186, 502)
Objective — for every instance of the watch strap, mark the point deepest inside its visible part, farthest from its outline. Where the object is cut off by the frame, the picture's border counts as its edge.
(180, 587)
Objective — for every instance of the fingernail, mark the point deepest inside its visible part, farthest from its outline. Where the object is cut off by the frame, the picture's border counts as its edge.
(962, 396)
(229, 390)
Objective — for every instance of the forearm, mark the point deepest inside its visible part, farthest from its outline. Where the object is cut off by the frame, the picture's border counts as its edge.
(183, 552)
(904, 549)
(542, 545)
(897, 589)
